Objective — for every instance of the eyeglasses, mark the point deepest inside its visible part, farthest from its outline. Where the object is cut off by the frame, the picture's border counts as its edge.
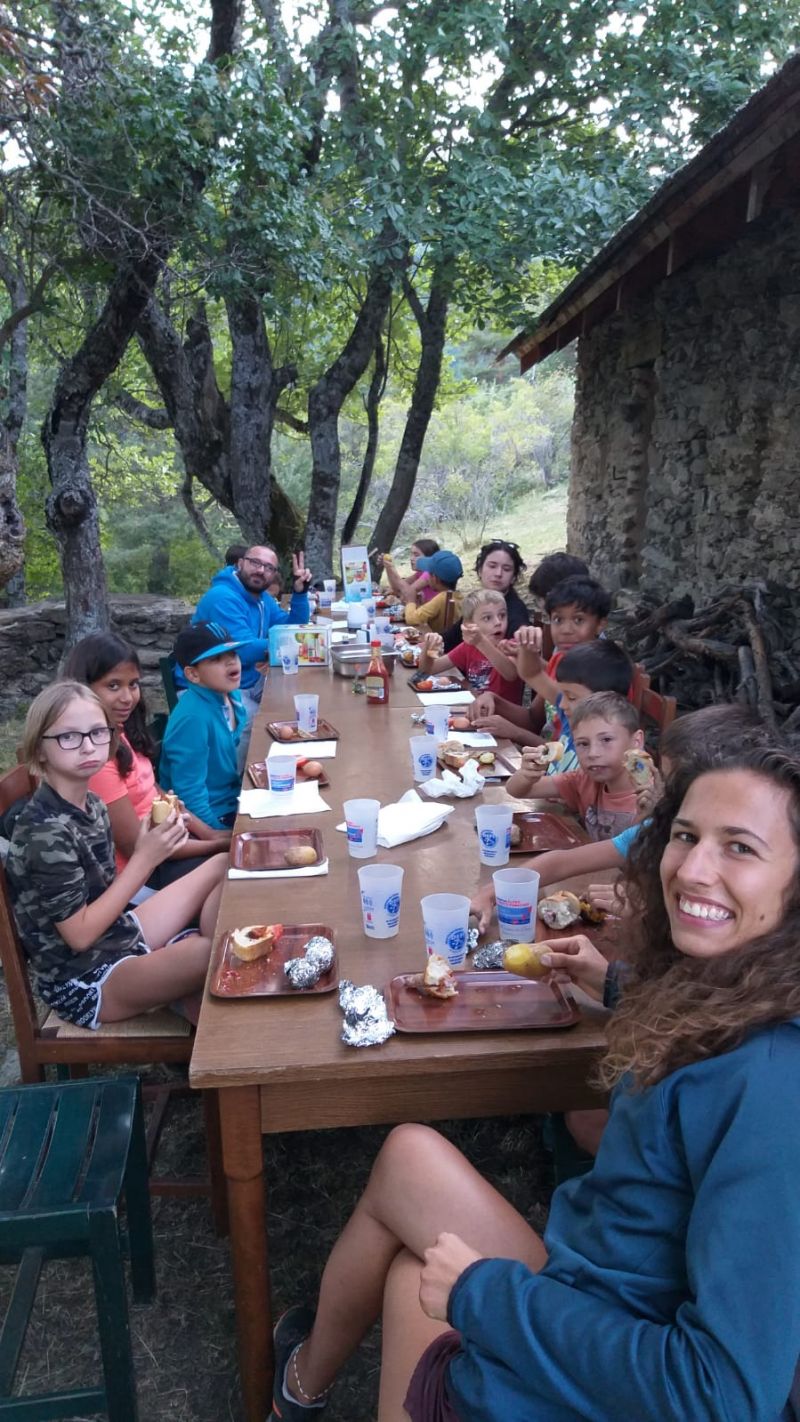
(257, 563)
(73, 740)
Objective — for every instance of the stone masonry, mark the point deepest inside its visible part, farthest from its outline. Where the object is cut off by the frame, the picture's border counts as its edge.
(686, 438)
(32, 644)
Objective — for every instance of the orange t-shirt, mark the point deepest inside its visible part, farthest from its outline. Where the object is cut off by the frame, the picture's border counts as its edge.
(604, 814)
(139, 785)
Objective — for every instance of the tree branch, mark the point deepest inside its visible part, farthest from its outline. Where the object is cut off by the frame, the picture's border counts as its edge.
(283, 417)
(145, 414)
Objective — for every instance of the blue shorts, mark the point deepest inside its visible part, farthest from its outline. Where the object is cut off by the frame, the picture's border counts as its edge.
(78, 1000)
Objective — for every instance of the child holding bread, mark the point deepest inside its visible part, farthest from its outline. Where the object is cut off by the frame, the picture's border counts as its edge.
(605, 726)
(478, 656)
(199, 757)
(94, 959)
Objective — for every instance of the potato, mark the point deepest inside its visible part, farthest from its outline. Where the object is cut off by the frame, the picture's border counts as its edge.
(312, 769)
(460, 723)
(286, 733)
(301, 856)
(525, 959)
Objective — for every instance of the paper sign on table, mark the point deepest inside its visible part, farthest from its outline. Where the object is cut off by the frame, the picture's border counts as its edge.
(310, 873)
(308, 750)
(305, 799)
(442, 698)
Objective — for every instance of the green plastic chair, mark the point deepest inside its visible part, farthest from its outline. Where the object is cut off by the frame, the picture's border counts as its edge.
(167, 668)
(68, 1153)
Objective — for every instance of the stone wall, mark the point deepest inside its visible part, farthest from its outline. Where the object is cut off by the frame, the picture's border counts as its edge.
(686, 439)
(32, 644)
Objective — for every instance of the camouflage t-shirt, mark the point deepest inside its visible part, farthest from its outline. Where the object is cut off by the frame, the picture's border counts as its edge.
(60, 859)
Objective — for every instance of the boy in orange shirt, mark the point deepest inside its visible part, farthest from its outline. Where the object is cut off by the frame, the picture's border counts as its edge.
(601, 792)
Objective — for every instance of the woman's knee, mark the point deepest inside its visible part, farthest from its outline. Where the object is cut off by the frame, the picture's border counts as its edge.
(409, 1150)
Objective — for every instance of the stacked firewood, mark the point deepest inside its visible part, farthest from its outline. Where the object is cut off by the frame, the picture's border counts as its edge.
(743, 645)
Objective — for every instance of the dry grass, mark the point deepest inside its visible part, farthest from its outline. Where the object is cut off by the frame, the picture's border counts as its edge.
(184, 1343)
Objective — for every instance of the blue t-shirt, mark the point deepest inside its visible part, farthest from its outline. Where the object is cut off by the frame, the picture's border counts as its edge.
(622, 842)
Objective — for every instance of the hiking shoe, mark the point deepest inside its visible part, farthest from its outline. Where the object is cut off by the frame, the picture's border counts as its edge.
(292, 1328)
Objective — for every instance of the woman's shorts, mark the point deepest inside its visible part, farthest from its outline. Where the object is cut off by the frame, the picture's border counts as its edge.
(426, 1399)
(78, 999)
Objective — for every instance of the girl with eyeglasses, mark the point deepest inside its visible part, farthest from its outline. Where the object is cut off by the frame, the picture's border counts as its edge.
(499, 564)
(95, 960)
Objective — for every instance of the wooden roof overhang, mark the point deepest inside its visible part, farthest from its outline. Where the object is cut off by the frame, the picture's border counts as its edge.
(750, 166)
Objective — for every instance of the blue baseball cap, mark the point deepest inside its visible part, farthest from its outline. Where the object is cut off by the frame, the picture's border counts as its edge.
(201, 640)
(444, 565)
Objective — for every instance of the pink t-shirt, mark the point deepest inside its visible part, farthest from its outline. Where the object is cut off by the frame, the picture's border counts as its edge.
(139, 785)
(423, 588)
(482, 676)
(604, 814)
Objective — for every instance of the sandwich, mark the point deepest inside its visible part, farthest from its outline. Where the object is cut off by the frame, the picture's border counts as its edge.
(163, 805)
(257, 941)
(560, 910)
(551, 752)
(454, 754)
(437, 980)
(640, 767)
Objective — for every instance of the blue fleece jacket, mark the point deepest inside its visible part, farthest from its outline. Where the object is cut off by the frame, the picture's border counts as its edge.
(672, 1288)
(247, 617)
(198, 754)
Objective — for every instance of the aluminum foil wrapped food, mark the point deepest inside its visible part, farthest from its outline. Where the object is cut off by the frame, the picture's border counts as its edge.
(366, 1023)
(472, 938)
(319, 951)
(490, 956)
(302, 972)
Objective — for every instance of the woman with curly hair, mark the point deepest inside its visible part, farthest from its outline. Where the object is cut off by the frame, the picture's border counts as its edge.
(499, 565)
(666, 1284)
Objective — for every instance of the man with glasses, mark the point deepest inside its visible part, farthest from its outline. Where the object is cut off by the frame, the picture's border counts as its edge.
(239, 601)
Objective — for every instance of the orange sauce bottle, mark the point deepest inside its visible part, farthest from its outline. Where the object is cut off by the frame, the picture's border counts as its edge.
(377, 678)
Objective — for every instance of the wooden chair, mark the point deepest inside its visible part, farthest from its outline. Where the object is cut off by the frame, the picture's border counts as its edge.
(449, 611)
(640, 684)
(658, 709)
(147, 1040)
(68, 1154)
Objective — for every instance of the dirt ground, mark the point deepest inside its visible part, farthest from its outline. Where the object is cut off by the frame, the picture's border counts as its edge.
(184, 1342)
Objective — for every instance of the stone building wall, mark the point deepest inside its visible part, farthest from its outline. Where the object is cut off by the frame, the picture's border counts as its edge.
(32, 644)
(686, 439)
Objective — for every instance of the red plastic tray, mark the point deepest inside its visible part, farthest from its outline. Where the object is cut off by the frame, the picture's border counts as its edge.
(486, 1002)
(265, 977)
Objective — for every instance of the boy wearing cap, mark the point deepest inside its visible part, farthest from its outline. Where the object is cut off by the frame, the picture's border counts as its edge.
(444, 570)
(199, 751)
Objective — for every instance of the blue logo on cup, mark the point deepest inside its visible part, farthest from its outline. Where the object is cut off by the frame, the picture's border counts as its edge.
(508, 837)
(425, 761)
(355, 833)
(456, 941)
(392, 904)
(488, 839)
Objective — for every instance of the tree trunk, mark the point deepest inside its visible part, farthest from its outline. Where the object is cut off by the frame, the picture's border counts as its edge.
(255, 390)
(432, 322)
(12, 524)
(325, 401)
(377, 385)
(71, 507)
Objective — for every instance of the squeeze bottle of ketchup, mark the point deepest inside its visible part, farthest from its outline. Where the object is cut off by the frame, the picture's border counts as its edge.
(377, 678)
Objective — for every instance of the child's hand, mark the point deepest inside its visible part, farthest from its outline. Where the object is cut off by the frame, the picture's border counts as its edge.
(529, 652)
(498, 725)
(532, 763)
(433, 644)
(155, 843)
(482, 905)
(444, 1263)
(580, 960)
(609, 898)
(471, 634)
(648, 796)
(483, 705)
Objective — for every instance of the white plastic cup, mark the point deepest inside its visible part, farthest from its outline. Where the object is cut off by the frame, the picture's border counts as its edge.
(516, 891)
(307, 707)
(356, 616)
(361, 819)
(381, 887)
(437, 722)
(423, 757)
(325, 598)
(370, 607)
(329, 584)
(290, 656)
(494, 833)
(282, 772)
(445, 919)
(383, 626)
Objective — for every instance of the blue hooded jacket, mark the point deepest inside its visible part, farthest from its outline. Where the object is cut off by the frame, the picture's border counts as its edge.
(247, 617)
(671, 1289)
(198, 754)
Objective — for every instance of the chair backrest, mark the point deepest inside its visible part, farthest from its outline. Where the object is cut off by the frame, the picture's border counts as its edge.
(16, 785)
(639, 685)
(449, 610)
(659, 709)
(167, 668)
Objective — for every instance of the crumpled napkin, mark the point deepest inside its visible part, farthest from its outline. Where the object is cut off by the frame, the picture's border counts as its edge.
(408, 818)
(463, 785)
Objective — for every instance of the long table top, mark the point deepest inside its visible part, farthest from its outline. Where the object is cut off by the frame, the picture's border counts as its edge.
(293, 1044)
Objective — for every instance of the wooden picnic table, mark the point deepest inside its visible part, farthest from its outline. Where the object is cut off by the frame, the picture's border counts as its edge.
(279, 1064)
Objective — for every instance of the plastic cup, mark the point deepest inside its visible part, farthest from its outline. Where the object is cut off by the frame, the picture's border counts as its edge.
(516, 891)
(290, 656)
(370, 607)
(307, 708)
(325, 598)
(356, 616)
(329, 584)
(282, 771)
(494, 833)
(437, 722)
(423, 757)
(361, 818)
(381, 888)
(445, 919)
(383, 626)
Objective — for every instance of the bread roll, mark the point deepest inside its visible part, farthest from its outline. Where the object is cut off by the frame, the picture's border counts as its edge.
(257, 941)
(560, 910)
(640, 767)
(300, 856)
(162, 806)
(437, 980)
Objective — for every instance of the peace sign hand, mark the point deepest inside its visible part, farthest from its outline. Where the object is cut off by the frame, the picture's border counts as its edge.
(301, 575)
